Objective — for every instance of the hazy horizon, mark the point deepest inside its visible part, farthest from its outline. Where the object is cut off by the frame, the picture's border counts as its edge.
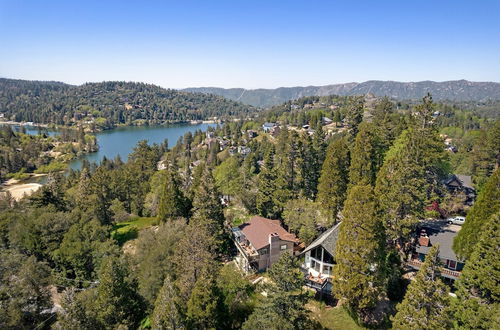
(249, 45)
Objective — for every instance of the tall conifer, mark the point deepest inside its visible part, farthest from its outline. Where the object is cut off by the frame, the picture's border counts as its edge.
(426, 304)
(332, 185)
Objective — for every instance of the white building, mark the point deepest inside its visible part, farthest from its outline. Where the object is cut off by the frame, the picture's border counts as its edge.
(319, 260)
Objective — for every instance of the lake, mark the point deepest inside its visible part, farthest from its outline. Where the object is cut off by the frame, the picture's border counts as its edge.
(121, 141)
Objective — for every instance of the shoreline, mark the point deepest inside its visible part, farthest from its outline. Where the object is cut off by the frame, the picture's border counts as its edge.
(19, 189)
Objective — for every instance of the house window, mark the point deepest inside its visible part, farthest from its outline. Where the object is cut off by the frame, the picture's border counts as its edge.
(452, 264)
(263, 251)
(327, 270)
(317, 266)
(283, 247)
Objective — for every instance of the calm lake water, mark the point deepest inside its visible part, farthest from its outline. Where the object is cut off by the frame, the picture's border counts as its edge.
(121, 141)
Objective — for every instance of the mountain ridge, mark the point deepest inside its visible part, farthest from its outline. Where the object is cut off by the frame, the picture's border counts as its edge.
(453, 90)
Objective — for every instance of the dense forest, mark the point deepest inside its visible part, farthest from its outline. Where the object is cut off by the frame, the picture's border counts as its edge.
(108, 104)
(146, 243)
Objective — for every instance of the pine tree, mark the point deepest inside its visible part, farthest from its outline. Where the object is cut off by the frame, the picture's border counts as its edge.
(354, 114)
(117, 301)
(426, 304)
(204, 307)
(366, 156)
(332, 185)
(284, 306)
(358, 273)
(206, 200)
(166, 313)
(487, 204)
(172, 202)
(400, 190)
(194, 258)
(478, 290)
(266, 186)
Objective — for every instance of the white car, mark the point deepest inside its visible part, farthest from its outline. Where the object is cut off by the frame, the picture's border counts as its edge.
(456, 220)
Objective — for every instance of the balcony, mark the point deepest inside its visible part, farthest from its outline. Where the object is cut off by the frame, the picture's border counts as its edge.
(445, 272)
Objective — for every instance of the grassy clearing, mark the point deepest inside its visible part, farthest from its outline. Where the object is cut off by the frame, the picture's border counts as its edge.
(129, 229)
(332, 318)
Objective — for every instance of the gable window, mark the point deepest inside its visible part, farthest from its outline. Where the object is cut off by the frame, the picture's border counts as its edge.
(283, 247)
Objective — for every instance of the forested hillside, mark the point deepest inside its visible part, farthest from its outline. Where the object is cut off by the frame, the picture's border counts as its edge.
(459, 90)
(134, 244)
(108, 104)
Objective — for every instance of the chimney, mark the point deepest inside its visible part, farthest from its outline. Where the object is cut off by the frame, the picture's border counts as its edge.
(424, 240)
(273, 238)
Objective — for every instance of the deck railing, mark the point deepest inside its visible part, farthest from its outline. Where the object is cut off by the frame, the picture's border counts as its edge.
(445, 272)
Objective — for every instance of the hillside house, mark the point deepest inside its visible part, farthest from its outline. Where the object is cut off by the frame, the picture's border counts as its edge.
(260, 242)
(326, 121)
(269, 127)
(319, 260)
(458, 183)
(435, 232)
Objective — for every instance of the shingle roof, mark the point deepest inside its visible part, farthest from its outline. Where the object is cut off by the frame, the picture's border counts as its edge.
(466, 180)
(441, 233)
(258, 229)
(328, 240)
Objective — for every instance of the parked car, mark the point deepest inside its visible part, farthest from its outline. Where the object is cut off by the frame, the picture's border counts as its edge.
(456, 220)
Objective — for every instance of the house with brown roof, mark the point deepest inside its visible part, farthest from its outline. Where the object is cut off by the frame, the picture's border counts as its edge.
(260, 242)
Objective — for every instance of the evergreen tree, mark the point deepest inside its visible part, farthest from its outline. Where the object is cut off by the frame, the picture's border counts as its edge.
(266, 186)
(166, 313)
(426, 303)
(172, 202)
(487, 204)
(117, 301)
(358, 273)
(332, 185)
(194, 258)
(354, 114)
(366, 156)
(478, 290)
(206, 201)
(411, 172)
(204, 308)
(284, 306)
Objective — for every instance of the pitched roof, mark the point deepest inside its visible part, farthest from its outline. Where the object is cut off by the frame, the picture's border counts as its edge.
(464, 180)
(439, 232)
(328, 240)
(258, 229)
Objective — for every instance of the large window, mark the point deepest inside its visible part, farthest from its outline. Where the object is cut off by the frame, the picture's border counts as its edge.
(452, 264)
(316, 253)
(316, 266)
(327, 257)
(263, 251)
(283, 247)
(327, 270)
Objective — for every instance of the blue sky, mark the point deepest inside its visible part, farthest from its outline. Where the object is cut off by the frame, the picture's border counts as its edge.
(251, 43)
